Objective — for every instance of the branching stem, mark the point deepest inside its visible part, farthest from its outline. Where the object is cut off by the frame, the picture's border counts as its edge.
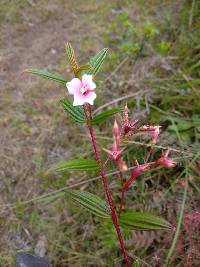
(88, 115)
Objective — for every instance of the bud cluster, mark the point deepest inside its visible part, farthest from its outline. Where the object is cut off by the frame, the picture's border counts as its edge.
(128, 129)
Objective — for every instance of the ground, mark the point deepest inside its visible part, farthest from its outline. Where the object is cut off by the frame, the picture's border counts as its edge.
(162, 84)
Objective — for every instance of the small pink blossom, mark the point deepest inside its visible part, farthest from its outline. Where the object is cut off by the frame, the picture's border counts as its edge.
(122, 165)
(128, 125)
(164, 161)
(137, 170)
(115, 152)
(116, 132)
(82, 90)
(155, 134)
(154, 130)
(141, 168)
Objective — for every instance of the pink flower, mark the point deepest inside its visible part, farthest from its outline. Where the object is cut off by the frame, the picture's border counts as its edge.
(82, 90)
(116, 132)
(122, 165)
(115, 152)
(165, 161)
(155, 134)
(128, 126)
(140, 168)
(137, 170)
(154, 130)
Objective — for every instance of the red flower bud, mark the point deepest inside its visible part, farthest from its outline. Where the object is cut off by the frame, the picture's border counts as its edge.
(164, 161)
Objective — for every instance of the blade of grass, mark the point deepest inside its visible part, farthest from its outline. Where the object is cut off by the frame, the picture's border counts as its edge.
(176, 235)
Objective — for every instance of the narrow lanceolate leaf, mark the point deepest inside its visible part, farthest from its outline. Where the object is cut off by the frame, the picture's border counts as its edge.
(47, 75)
(73, 111)
(136, 220)
(71, 57)
(104, 115)
(91, 203)
(97, 61)
(76, 165)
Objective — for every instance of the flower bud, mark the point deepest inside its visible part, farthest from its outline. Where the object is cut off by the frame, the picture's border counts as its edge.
(116, 131)
(165, 162)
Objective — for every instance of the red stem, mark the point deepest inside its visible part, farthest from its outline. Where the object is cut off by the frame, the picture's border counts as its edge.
(88, 116)
(120, 175)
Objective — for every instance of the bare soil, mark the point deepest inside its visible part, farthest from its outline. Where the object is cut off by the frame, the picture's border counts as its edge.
(34, 130)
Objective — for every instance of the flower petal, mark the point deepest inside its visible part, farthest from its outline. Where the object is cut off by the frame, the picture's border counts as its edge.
(87, 79)
(90, 97)
(79, 99)
(73, 86)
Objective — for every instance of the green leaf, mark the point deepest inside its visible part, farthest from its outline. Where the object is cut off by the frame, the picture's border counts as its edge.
(136, 220)
(71, 57)
(97, 61)
(76, 165)
(180, 126)
(104, 115)
(74, 112)
(84, 69)
(136, 264)
(47, 75)
(91, 203)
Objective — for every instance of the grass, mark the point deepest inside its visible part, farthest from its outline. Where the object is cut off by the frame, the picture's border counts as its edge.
(160, 44)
